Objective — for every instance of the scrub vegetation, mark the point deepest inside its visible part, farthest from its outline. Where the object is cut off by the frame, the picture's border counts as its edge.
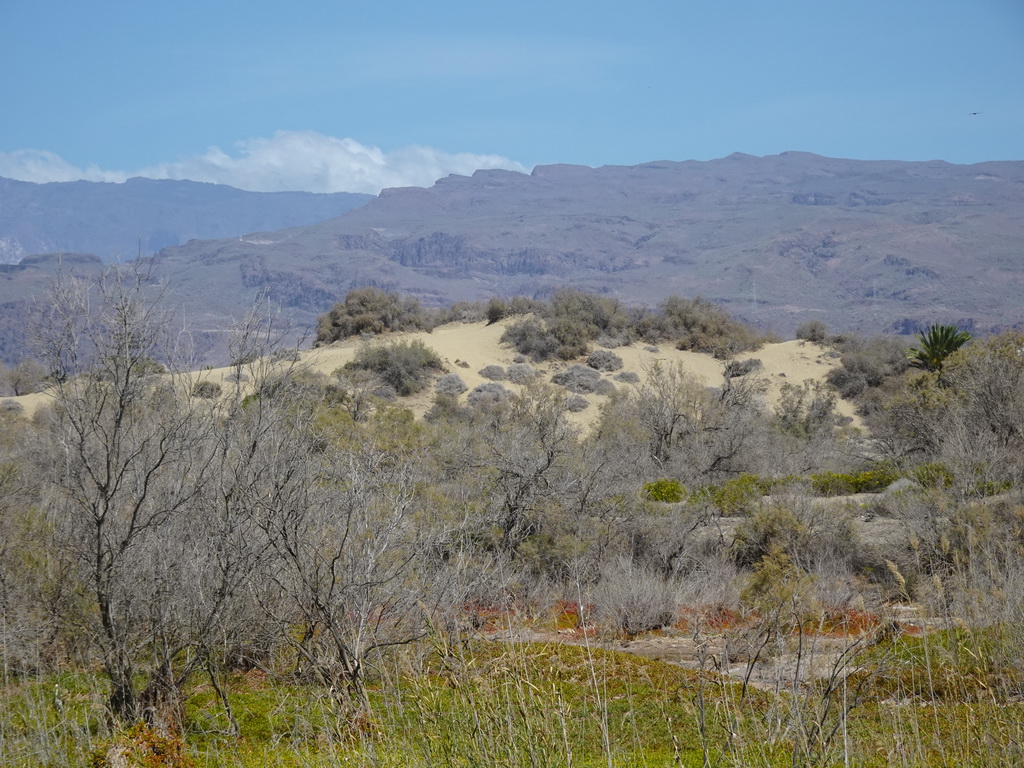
(291, 570)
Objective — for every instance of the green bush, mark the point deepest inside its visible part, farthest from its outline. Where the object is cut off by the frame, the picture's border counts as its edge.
(571, 336)
(736, 496)
(933, 474)
(573, 319)
(777, 581)
(867, 363)
(597, 314)
(665, 490)
(404, 366)
(805, 409)
(840, 484)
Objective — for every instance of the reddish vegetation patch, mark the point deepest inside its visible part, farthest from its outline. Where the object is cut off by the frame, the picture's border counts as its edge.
(847, 623)
(567, 615)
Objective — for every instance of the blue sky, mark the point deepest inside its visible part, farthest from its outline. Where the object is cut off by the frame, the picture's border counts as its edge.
(343, 96)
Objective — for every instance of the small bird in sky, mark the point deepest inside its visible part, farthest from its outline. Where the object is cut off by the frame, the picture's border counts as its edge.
(973, 113)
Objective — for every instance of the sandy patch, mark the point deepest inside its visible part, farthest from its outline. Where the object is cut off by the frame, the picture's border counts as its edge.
(30, 404)
(795, 362)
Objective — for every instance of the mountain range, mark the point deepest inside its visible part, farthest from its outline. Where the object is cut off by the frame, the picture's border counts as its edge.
(870, 246)
(140, 216)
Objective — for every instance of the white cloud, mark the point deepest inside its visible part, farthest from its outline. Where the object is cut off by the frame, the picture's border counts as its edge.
(41, 167)
(290, 160)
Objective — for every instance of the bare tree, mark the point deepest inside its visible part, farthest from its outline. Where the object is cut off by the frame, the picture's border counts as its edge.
(667, 404)
(120, 461)
(341, 528)
(699, 432)
(522, 462)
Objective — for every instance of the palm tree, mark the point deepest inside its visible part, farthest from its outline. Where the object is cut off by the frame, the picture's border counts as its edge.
(935, 345)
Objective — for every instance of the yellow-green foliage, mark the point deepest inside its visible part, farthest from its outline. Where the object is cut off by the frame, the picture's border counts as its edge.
(841, 484)
(933, 474)
(550, 705)
(738, 495)
(665, 490)
(959, 665)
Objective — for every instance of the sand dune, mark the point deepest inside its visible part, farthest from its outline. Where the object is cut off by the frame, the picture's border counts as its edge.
(466, 348)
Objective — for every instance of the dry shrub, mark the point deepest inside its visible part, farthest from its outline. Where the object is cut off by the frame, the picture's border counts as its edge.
(701, 326)
(521, 373)
(737, 368)
(371, 310)
(11, 406)
(815, 538)
(633, 599)
(493, 372)
(582, 380)
(529, 337)
(576, 403)
(141, 745)
(711, 581)
(403, 366)
(812, 330)
(206, 389)
(604, 360)
(451, 384)
(487, 395)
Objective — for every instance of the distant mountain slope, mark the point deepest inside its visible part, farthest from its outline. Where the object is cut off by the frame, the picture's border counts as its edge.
(115, 220)
(870, 246)
(873, 246)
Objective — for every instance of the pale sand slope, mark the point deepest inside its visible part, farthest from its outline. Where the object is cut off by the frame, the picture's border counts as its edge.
(466, 348)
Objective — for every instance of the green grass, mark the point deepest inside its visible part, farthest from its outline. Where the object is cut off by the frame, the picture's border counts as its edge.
(499, 704)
